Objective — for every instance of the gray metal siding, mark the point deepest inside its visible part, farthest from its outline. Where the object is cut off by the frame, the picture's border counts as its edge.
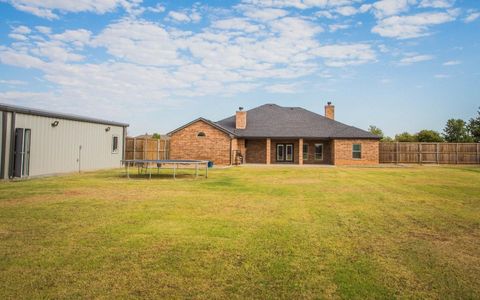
(56, 149)
(2, 159)
(6, 154)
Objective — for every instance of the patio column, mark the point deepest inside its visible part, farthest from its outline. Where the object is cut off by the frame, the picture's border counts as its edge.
(267, 151)
(300, 151)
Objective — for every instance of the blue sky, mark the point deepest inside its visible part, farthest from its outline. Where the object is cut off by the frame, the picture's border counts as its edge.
(397, 64)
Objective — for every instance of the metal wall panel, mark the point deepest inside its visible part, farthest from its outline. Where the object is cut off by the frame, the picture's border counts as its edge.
(7, 145)
(57, 149)
(2, 159)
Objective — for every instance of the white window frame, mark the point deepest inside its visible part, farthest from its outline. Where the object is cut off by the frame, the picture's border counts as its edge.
(356, 151)
(115, 151)
(315, 152)
(305, 153)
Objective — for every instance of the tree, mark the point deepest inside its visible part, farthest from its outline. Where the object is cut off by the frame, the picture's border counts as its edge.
(429, 136)
(456, 131)
(375, 130)
(474, 127)
(405, 137)
(378, 132)
(156, 136)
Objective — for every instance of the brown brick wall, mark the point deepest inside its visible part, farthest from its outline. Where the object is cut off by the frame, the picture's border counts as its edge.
(327, 152)
(343, 152)
(255, 151)
(215, 146)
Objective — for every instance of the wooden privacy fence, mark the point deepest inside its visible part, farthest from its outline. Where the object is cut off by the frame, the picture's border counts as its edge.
(146, 148)
(423, 153)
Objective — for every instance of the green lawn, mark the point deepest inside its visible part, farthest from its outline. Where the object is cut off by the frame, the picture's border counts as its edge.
(246, 232)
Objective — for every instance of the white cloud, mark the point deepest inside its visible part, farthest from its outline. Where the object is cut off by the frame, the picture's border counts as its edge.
(12, 82)
(437, 3)
(156, 9)
(442, 76)
(18, 37)
(335, 27)
(472, 17)
(411, 59)
(452, 63)
(347, 10)
(47, 9)
(287, 88)
(184, 16)
(406, 27)
(21, 30)
(299, 4)
(237, 24)
(345, 55)
(43, 29)
(384, 8)
(265, 14)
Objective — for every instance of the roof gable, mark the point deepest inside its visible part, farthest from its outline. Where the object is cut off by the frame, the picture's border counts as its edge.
(271, 120)
(213, 124)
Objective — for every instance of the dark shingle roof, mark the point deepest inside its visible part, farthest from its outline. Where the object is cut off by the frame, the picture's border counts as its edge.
(271, 120)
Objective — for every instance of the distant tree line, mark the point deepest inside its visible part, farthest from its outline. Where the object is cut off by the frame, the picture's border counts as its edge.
(455, 131)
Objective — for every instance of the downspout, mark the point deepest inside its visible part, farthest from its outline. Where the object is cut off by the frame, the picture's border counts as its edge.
(12, 145)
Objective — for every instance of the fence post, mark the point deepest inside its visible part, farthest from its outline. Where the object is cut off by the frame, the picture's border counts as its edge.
(158, 149)
(134, 148)
(437, 148)
(144, 148)
(164, 149)
(478, 153)
(396, 152)
(420, 153)
(456, 153)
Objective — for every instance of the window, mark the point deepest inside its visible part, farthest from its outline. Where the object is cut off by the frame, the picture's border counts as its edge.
(280, 152)
(115, 144)
(305, 151)
(318, 151)
(201, 134)
(357, 151)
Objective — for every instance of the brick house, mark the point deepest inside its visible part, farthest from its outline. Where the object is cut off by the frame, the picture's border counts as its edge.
(271, 134)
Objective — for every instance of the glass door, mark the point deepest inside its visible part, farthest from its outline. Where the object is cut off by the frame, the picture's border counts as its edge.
(21, 158)
(289, 152)
(284, 153)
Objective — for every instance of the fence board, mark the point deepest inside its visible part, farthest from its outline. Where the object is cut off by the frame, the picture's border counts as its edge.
(142, 148)
(440, 153)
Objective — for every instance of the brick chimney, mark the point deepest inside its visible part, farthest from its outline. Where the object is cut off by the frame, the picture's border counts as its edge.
(241, 119)
(330, 111)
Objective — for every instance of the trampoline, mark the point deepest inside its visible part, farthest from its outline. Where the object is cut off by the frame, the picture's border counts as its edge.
(146, 165)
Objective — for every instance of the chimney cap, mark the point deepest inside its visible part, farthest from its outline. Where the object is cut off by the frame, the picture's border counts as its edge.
(240, 108)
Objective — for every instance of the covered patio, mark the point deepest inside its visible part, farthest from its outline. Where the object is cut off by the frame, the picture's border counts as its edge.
(289, 151)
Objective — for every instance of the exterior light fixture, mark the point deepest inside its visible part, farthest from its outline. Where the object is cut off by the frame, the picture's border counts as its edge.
(55, 124)
(107, 129)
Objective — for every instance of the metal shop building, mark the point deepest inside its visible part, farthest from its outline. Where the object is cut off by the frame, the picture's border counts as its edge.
(36, 142)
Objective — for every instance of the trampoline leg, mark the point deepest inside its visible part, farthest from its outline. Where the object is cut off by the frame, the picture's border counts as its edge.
(174, 170)
(127, 167)
(206, 170)
(196, 170)
(149, 173)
